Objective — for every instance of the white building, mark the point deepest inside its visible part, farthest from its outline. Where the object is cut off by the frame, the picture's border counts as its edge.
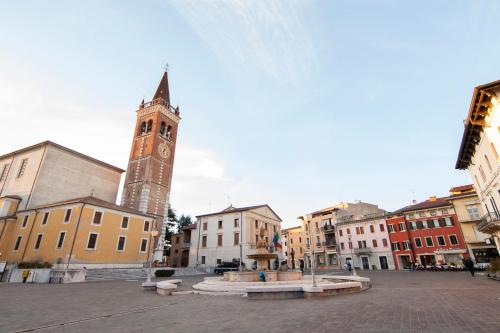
(231, 234)
(362, 237)
(479, 153)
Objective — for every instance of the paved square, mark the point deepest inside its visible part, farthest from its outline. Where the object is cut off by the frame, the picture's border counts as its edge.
(398, 302)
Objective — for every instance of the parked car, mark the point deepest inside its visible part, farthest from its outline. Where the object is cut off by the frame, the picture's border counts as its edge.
(226, 267)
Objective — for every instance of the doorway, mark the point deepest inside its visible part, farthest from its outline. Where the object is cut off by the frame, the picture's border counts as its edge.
(383, 262)
(404, 262)
(364, 261)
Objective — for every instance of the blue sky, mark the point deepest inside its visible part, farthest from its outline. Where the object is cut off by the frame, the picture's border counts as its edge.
(298, 104)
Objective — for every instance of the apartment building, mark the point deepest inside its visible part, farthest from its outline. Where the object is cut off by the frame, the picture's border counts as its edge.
(293, 246)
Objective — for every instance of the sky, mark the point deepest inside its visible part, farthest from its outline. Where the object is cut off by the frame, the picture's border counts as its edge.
(295, 104)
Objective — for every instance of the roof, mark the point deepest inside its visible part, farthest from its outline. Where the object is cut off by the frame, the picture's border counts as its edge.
(189, 226)
(474, 123)
(163, 91)
(90, 200)
(462, 188)
(232, 209)
(71, 151)
(291, 228)
(427, 204)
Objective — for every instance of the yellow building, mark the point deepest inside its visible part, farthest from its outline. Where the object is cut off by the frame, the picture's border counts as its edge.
(469, 211)
(86, 232)
(294, 247)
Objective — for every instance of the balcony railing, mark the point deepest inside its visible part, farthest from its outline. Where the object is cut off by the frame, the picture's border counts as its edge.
(363, 250)
(489, 223)
(328, 229)
(329, 244)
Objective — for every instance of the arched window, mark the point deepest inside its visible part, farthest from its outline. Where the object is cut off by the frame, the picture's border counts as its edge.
(163, 128)
(169, 132)
(150, 126)
(142, 128)
(488, 163)
(494, 151)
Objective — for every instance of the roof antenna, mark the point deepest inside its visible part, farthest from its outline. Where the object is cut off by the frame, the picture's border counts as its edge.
(414, 200)
(166, 67)
(92, 192)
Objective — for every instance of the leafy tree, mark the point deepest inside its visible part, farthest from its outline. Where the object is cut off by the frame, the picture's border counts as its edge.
(169, 230)
(183, 221)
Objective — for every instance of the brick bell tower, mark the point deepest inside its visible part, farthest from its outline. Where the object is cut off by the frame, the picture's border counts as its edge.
(149, 172)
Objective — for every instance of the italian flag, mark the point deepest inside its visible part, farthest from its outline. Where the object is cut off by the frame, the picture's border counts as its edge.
(276, 240)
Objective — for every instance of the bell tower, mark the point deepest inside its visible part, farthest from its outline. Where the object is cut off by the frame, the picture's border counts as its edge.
(149, 172)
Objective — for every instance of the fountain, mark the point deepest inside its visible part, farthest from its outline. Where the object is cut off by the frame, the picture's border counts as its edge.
(262, 256)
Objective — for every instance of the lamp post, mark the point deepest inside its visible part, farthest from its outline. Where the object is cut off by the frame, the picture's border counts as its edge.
(313, 265)
(154, 234)
(352, 256)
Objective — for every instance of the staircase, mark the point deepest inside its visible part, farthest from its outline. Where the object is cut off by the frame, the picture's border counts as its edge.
(104, 274)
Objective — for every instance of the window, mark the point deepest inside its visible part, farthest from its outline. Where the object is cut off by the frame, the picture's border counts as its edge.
(121, 243)
(219, 240)
(203, 260)
(340, 232)
(144, 245)
(384, 242)
(146, 226)
(92, 242)
(420, 225)
(265, 226)
(4, 172)
(97, 218)
(177, 240)
(381, 226)
(411, 215)
(418, 242)
(25, 221)
(362, 230)
(402, 226)
(205, 226)
(45, 218)
(390, 227)
(442, 222)
(236, 223)
(406, 245)
(67, 216)
(342, 246)
(149, 127)
(481, 171)
(124, 222)
(428, 241)
(204, 241)
(453, 240)
(60, 241)
(413, 225)
(142, 128)
(395, 246)
(318, 242)
(219, 261)
(38, 242)
(448, 221)
(18, 243)
(219, 224)
(348, 231)
(274, 228)
(22, 168)
(433, 212)
(236, 238)
(473, 212)
(357, 230)
(493, 149)
(300, 239)
(372, 228)
(424, 223)
(374, 243)
(488, 163)
(421, 214)
(256, 224)
(444, 211)
(350, 245)
(291, 241)
(256, 239)
(441, 241)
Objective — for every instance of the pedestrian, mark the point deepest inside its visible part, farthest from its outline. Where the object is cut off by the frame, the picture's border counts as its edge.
(262, 276)
(302, 266)
(26, 273)
(349, 267)
(469, 265)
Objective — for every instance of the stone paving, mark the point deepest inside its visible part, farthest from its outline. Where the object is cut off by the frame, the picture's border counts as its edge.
(398, 302)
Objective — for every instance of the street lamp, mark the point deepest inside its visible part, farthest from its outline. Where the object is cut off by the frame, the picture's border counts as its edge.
(313, 265)
(352, 255)
(154, 234)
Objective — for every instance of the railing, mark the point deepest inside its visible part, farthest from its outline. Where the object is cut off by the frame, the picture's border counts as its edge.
(328, 228)
(489, 222)
(329, 244)
(363, 250)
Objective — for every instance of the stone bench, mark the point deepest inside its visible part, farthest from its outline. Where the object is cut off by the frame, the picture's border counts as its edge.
(274, 292)
(164, 288)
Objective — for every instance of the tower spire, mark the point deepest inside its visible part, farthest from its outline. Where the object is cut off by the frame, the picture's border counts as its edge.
(162, 91)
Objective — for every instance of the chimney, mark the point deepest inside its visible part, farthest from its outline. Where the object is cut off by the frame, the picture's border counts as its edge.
(414, 202)
(432, 198)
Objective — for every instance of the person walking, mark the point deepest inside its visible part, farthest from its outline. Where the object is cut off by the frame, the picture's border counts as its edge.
(302, 265)
(26, 273)
(469, 265)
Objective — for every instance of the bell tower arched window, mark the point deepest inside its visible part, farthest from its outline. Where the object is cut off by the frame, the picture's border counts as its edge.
(163, 130)
(142, 128)
(169, 132)
(149, 126)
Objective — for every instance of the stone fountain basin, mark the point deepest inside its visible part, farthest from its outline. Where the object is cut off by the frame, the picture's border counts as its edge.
(262, 256)
(270, 276)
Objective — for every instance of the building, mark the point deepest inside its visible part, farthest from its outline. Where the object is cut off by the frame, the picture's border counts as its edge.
(479, 154)
(427, 233)
(469, 211)
(362, 236)
(47, 172)
(231, 235)
(149, 172)
(293, 247)
(179, 249)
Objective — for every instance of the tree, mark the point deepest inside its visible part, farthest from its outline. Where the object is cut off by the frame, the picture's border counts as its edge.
(171, 223)
(183, 221)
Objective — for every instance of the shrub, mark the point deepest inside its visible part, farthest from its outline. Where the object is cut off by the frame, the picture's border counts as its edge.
(164, 272)
(34, 265)
(494, 265)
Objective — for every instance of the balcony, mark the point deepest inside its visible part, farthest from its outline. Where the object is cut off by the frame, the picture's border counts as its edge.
(363, 250)
(329, 243)
(328, 229)
(490, 223)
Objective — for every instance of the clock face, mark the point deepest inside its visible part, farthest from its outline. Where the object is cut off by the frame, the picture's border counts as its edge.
(163, 150)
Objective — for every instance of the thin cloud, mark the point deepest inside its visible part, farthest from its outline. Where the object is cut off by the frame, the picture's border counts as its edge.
(269, 35)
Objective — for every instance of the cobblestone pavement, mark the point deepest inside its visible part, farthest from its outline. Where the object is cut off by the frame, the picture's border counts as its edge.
(398, 302)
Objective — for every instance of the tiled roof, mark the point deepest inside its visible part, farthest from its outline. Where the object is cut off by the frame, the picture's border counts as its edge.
(94, 202)
(427, 204)
(462, 188)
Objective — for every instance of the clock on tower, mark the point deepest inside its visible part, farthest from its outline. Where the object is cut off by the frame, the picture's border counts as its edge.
(149, 172)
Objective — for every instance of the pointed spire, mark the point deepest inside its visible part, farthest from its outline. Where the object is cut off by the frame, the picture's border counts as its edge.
(162, 90)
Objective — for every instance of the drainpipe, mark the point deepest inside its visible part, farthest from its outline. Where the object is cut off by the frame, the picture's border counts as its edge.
(241, 240)
(74, 238)
(198, 246)
(29, 235)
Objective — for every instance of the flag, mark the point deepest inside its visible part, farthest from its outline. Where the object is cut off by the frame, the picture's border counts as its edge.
(276, 240)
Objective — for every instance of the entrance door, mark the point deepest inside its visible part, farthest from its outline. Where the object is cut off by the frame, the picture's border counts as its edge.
(404, 262)
(383, 262)
(366, 265)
